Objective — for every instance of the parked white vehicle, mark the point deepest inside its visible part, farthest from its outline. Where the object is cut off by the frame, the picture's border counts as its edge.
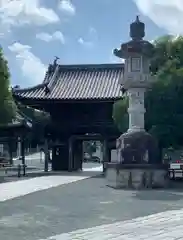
(176, 169)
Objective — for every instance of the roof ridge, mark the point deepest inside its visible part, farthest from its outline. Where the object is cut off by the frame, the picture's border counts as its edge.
(91, 66)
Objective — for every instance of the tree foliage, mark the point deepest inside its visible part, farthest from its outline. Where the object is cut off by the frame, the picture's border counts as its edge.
(164, 112)
(90, 147)
(7, 105)
(34, 114)
(40, 120)
(120, 115)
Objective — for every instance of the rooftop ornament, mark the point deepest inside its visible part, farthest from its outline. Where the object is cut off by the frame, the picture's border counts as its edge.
(55, 61)
(52, 67)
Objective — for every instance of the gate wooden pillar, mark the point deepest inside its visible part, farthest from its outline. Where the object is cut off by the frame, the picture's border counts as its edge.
(60, 156)
(71, 157)
(75, 153)
(78, 154)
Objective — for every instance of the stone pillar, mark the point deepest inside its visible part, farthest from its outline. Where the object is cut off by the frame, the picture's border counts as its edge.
(106, 154)
(136, 109)
(137, 54)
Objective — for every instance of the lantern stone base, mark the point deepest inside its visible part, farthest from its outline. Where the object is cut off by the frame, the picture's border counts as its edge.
(136, 176)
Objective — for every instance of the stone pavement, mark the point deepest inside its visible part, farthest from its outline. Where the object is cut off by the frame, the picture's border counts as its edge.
(162, 226)
(87, 209)
(15, 189)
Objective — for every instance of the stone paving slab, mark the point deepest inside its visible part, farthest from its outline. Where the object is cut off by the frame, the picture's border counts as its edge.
(162, 226)
(12, 190)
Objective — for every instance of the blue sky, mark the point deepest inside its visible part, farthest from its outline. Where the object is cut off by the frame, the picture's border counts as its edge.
(32, 32)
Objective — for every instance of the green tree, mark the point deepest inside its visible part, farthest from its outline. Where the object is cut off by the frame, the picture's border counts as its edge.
(120, 115)
(40, 120)
(90, 147)
(7, 105)
(164, 102)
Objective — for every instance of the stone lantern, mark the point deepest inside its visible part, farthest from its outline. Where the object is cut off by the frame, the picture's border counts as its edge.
(137, 78)
(138, 164)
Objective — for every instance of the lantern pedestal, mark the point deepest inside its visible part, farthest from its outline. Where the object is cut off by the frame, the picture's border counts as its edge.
(139, 165)
(136, 176)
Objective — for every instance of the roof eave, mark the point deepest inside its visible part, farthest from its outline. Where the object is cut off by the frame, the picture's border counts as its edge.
(23, 90)
(18, 97)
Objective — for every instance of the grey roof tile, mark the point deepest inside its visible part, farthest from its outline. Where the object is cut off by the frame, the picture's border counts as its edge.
(78, 82)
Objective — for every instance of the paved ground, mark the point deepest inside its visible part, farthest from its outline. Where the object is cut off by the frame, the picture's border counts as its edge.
(61, 211)
(161, 226)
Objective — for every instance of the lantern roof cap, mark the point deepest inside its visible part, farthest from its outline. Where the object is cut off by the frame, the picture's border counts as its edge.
(137, 29)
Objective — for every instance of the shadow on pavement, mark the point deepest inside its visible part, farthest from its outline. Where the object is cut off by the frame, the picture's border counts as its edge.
(159, 195)
(84, 174)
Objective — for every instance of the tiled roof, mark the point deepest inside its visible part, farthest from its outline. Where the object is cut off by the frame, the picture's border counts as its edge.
(78, 82)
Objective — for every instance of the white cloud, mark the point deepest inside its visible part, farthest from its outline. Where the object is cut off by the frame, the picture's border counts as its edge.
(85, 43)
(92, 31)
(90, 39)
(32, 67)
(21, 12)
(167, 14)
(93, 34)
(56, 36)
(67, 7)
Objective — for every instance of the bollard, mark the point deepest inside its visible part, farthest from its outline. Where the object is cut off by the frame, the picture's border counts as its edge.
(19, 171)
(24, 169)
(104, 166)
